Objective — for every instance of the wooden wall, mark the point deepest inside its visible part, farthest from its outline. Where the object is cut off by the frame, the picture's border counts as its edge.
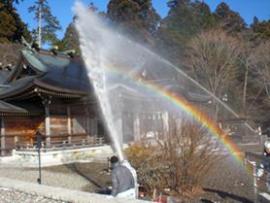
(20, 129)
(58, 119)
(84, 119)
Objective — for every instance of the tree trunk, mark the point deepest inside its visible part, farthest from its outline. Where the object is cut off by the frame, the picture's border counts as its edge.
(244, 99)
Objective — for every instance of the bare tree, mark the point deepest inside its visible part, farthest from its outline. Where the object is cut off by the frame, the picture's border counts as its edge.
(261, 64)
(178, 163)
(245, 63)
(213, 58)
(250, 84)
(259, 98)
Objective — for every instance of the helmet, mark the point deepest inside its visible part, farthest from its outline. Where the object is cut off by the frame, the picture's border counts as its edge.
(114, 159)
(267, 144)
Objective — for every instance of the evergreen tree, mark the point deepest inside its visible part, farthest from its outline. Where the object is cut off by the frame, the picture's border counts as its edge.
(255, 22)
(71, 37)
(49, 23)
(229, 20)
(185, 19)
(10, 3)
(261, 29)
(137, 17)
(92, 7)
(172, 3)
(7, 25)
(70, 40)
(11, 26)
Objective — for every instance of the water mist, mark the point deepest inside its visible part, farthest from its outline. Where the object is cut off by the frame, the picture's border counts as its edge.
(113, 60)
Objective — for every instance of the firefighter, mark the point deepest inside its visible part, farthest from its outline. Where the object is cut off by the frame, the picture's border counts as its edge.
(264, 166)
(124, 179)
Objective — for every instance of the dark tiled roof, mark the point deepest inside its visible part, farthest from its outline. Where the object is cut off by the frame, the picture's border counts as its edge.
(4, 75)
(17, 86)
(53, 73)
(58, 75)
(9, 108)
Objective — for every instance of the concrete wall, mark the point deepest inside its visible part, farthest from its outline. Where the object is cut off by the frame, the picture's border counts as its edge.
(57, 157)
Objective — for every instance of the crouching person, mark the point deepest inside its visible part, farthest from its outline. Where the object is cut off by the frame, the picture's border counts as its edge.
(124, 179)
(264, 167)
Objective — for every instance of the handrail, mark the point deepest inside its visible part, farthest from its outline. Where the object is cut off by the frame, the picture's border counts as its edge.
(43, 135)
(57, 141)
(62, 144)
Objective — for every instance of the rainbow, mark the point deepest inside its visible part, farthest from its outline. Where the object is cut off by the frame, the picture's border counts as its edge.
(190, 109)
(200, 117)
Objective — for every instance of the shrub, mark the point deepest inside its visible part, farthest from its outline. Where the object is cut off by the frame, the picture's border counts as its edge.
(176, 164)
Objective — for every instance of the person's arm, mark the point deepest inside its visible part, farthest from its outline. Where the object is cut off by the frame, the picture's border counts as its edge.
(260, 170)
(115, 184)
(262, 167)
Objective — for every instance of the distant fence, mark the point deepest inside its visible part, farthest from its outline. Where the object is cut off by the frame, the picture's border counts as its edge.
(76, 141)
(49, 143)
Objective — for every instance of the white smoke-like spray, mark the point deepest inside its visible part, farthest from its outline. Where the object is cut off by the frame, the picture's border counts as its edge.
(112, 60)
(93, 48)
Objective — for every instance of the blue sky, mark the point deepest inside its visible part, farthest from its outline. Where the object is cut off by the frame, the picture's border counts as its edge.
(62, 9)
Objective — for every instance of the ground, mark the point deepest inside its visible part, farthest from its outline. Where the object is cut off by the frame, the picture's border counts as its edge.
(79, 176)
(228, 180)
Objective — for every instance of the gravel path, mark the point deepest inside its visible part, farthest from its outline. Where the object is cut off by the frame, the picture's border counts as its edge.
(65, 180)
(87, 177)
(13, 196)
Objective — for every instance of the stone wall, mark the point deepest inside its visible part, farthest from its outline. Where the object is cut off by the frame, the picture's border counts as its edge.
(57, 157)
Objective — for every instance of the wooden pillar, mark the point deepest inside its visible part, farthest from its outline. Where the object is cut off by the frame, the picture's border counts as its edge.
(94, 127)
(3, 138)
(88, 120)
(136, 127)
(47, 125)
(88, 125)
(69, 124)
(165, 120)
(119, 127)
(46, 102)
